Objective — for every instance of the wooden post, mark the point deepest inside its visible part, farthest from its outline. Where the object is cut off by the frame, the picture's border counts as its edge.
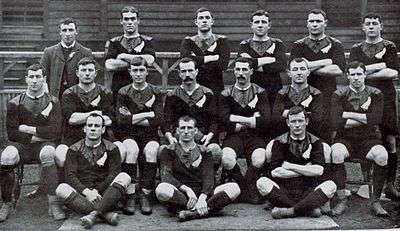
(364, 7)
(46, 19)
(104, 19)
(1, 73)
(164, 80)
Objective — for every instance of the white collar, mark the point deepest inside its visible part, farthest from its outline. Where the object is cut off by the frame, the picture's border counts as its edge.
(34, 97)
(319, 39)
(67, 47)
(94, 146)
(375, 42)
(131, 36)
(191, 92)
(351, 88)
(93, 87)
(255, 38)
(298, 138)
(140, 89)
(242, 89)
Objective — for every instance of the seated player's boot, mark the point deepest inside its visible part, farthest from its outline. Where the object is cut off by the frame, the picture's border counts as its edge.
(88, 221)
(5, 211)
(39, 192)
(279, 213)
(391, 192)
(315, 213)
(111, 218)
(129, 206)
(187, 215)
(145, 205)
(378, 210)
(55, 209)
(339, 208)
(326, 208)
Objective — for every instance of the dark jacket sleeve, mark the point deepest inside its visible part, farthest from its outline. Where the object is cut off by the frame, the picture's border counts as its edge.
(52, 129)
(157, 107)
(317, 154)
(122, 119)
(391, 58)
(280, 60)
(71, 171)
(68, 105)
(166, 171)
(13, 125)
(224, 53)
(225, 113)
(212, 112)
(375, 111)
(264, 108)
(113, 164)
(186, 51)
(316, 109)
(279, 106)
(336, 120)
(207, 173)
(337, 56)
(276, 155)
(170, 114)
(45, 61)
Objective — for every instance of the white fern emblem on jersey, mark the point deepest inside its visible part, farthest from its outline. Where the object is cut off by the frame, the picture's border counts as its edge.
(307, 101)
(197, 162)
(102, 160)
(380, 54)
(271, 49)
(306, 154)
(245, 55)
(365, 105)
(47, 110)
(96, 101)
(139, 47)
(201, 102)
(212, 47)
(327, 48)
(253, 102)
(150, 102)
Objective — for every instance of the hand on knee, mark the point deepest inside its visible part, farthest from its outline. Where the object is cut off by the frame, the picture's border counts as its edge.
(228, 158)
(164, 192)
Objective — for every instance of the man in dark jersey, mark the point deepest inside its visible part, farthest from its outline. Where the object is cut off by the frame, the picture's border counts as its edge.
(139, 114)
(380, 57)
(187, 177)
(94, 184)
(33, 128)
(355, 117)
(268, 55)
(297, 161)
(210, 51)
(325, 56)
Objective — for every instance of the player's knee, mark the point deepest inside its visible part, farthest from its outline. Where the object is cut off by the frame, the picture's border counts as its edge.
(216, 152)
(150, 151)
(64, 190)
(122, 150)
(9, 156)
(228, 158)
(258, 157)
(379, 155)
(122, 179)
(327, 152)
(328, 188)
(268, 151)
(339, 153)
(164, 192)
(46, 155)
(61, 154)
(265, 185)
(132, 151)
(231, 189)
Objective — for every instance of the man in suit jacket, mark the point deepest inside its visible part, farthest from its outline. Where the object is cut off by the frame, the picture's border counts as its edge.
(60, 60)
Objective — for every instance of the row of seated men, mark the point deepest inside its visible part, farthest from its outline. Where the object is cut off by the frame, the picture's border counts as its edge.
(296, 172)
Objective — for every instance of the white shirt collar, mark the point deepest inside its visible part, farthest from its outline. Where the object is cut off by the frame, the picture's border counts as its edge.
(319, 39)
(67, 47)
(242, 89)
(132, 36)
(139, 89)
(34, 97)
(298, 138)
(191, 92)
(93, 146)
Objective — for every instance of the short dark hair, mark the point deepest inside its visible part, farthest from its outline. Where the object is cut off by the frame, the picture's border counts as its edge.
(187, 60)
(244, 60)
(318, 11)
(259, 13)
(354, 65)
(371, 15)
(296, 110)
(203, 9)
(35, 67)
(66, 21)
(138, 61)
(131, 9)
(187, 118)
(297, 60)
(86, 61)
(103, 121)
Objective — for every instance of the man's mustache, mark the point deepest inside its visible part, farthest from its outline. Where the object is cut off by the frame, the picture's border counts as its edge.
(241, 77)
(188, 79)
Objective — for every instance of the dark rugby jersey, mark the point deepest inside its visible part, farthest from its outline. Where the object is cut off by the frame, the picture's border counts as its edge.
(134, 46)
(326, 48)
(43, 112)
(210, 74)
(369, 101)
(201, 105)
(92, 167)
(138, 101)
(193, 169)
(75, 99)
(268, 75)
(302, 152)
(245, 103)
(310, 98)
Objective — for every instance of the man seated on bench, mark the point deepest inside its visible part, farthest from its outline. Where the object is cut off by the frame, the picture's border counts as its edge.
(187, 177)
(94, 183)
(297, 162)
(356, 113)
(33, 127)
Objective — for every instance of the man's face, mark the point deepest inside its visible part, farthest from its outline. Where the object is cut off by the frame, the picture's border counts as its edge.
(356, 77)
(316, 24)
(243, 72)
(35, 80)
(130, 22)
(86, 73)
(187, 72)
(186, 130)
(260, 25)
(94, 128)
(297, 124)
(204, 21)
(138, 74)
(298, 72)
(372, 27)
(68, 33)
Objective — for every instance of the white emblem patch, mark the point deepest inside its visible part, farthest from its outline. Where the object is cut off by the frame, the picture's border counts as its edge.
(47, 110)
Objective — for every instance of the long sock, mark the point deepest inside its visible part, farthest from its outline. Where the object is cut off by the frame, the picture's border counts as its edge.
(250, 189)
(148, 173)
(177, 202)
(328, 173)
(313, 200)
(218, 201)
(279, 198)
(61, 175)
(378, 180)
(111, 196)
(50, 178)
(130, 169)
(339, 175)
(78, 203)
(7, 178)
(236, 175)
(392, 165)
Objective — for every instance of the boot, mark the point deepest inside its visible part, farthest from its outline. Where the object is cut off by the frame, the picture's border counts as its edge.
(187, 215)
(5, 211)
(391, 192)
(55, 209)
(145, 205)
(326, 208)
(129, 207)
(279, 213)
(88, 221)
(341, 206)
(111, 218)
(378, 180)
(378, 210)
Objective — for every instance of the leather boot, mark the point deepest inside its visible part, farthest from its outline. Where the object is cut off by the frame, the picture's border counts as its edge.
(145, 205)
(55, 209)
(111, 218)
(341, 206)
(5, 211)
(187, 215)
(129, 207)
(88, 221)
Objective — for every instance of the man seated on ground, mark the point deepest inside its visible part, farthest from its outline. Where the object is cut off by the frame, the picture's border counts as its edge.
(187, 177)
(139, 114)
(356, 114)
(297, 161)
(33, 127)
(94, 184)
(245, 112)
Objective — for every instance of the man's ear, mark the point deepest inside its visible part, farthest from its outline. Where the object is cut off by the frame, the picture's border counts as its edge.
(307, 120)
(287, 121)
(103, 129)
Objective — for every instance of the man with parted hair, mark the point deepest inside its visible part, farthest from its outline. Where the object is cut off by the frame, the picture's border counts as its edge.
(355, 117)
(187, 177)
(380, 58)
(297, 160)
(60, 60)
(268, 55)
(94, 184)
(210, 51)
(33, 128)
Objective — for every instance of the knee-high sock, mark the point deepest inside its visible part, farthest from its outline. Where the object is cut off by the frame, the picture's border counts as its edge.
(177, 202)
(313, 200)
(78, 203)
(218, 201)
(61, 175)
(328, 173)
(50, 178)
(339, 175)
(7, 178)
(111, 196)
(378, 180)
(130, 169)
(279, 198)
(148, 173)
(236, 175)
(392, 165)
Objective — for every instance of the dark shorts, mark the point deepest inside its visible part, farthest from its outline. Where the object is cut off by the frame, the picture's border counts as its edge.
(243, 143)
(29, 152)
(358, 148)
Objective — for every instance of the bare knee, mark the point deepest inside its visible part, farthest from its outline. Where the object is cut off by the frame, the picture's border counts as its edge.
(164, 191)
(265, 185)
(122, 150)
(339, 153)
(150, 151)
(328, 188)
(327, 152)
(122, 179)
(61, 154)
(258, 157)
(228, 158)
(9, 156)
(132, 151)
(64, 190)
(46, 155)
(378, 154)
(231, 189)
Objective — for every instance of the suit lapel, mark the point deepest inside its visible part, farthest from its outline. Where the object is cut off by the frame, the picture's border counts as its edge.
(75, 49)
(59, 52)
